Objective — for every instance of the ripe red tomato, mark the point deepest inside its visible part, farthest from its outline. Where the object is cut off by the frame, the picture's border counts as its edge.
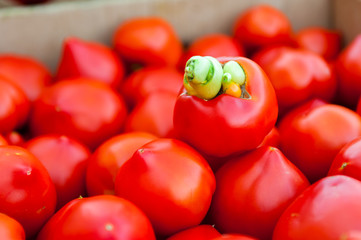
(171, 182)
(109, 157)
(322, 41)
(15, 138)
(214, 45)
(297, 75)
(80, 57)
(273, 138)
(313, 133)
(328, 209)
(148, 80)
(30, 75)
(84, 109)
(200, 232)
(10, 228)
(253, 190)
(148, 41)
(227, 125)
(14, 107)
(348, 160)
(234, 237)
(348, 68)
(98, 218)
(261, 26)
(66, 160)
(27, 193)
(154, 114)
(3, 141)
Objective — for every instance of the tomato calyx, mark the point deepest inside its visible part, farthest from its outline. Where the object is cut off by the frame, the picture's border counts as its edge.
(206, 78)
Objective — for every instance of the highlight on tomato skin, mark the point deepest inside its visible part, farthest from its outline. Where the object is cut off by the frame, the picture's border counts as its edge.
(199, 232)
(10, 228)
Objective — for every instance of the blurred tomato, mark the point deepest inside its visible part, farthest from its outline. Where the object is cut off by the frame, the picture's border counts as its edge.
(90, 60)
(327, 210)
(214, 45)
(313, 133)
(27, 193)
(3, 141)
(29, 75)
(154, 115)
(261, 26)
(65, 159)
(322, 41)
(348, 68)
(297, 75)
(109, 157)
(15, 138)
(171, 182)
(80, 108)
(147, 80)
(253, 190)
(98, 218)
(200, 232)
(148, 41)
(348, 160)
(14, 106)
(10, 228)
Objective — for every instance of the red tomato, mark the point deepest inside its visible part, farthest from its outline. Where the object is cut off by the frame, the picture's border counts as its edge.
(148, 80)
(261, 26)
(98, 218)
(273, 138)
(348, 68)
(154, 115)
(348, 160)
(322, 41)
(312, 135)
(10, 228)
(65, 159)
(358, 109)
(30, 75)
(297, 75)
(3, 141)
(253, 190)
(227, 125)
(84, 109)
(109, 157)
(27, 193)
(214, 45)
(327, 210)
(80, 57)
(200, 232)
(170, 182)
(15, 138)
(14, 107)
(148, 41)
(234, 237)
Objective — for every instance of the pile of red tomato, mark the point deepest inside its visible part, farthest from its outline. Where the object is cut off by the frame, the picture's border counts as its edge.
(112, 146)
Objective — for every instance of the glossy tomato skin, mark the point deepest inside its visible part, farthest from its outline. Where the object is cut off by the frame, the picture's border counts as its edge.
(314, 133)
(273, 138)
(154, 114)
(10, 228)
(348, 160)
(297, 75)
(65, 159)
(234, 236)
(27, 193)
(200, 232)
(139, 84)
(98, 218)
(90, 60)
(227, 125)
(348, 68)
(29, 75)
(328, 209)
(109, 157)
(84, 109)
(14, 108)
(214, 45)
(157, 179)
(148, 41)
(253, 190)
(322, 41)
(261, 26)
